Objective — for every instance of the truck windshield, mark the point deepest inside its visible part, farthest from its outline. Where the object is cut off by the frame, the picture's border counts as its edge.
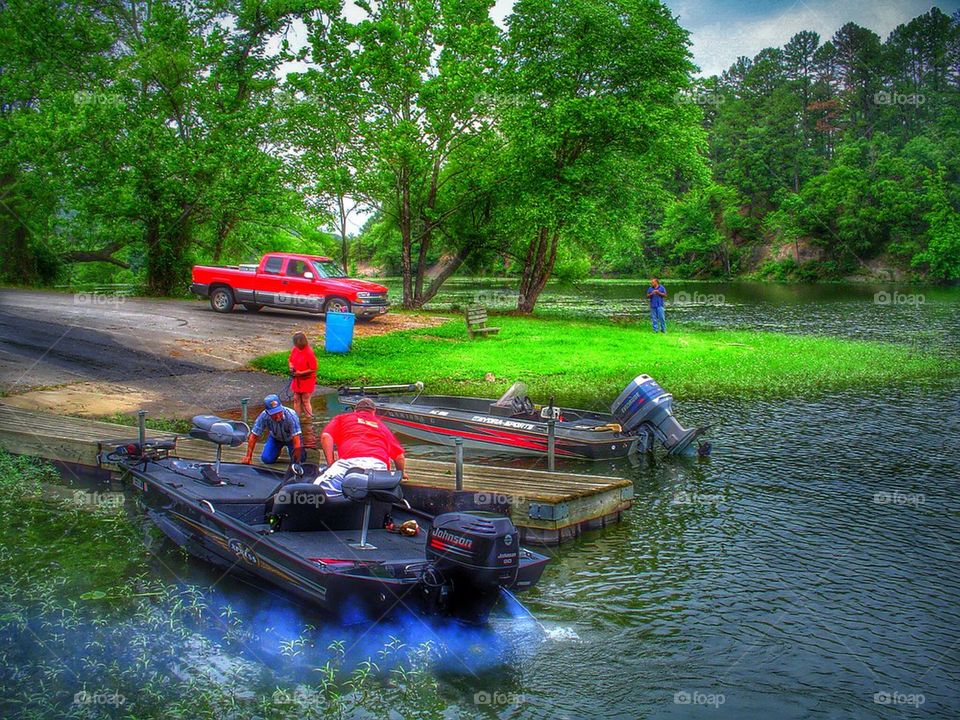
(329, 269)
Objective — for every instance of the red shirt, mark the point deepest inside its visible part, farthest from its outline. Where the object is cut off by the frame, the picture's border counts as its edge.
(363, 434)
(304, 360)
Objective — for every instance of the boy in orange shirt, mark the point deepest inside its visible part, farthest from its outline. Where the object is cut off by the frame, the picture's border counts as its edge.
(303, 371)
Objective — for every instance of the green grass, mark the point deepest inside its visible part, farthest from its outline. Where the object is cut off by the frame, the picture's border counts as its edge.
(588, 363)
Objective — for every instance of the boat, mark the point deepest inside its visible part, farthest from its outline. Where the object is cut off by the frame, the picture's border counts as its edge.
(361, 556)
(640, 416)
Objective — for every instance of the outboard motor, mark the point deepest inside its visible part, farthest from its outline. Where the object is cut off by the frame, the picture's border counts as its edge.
(643, 401)
(474, 554)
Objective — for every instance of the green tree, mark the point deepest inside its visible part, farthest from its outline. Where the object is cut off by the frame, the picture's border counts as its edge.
(157, 128)
(412, 78)
(596, 128)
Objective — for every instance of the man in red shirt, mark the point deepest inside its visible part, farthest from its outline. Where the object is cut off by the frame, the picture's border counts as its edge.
(303, 373)
(362, 441)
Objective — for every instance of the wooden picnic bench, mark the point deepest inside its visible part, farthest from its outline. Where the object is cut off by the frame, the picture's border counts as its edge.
(477, 322)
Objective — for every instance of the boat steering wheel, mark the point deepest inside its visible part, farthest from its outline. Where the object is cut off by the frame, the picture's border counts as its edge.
(522, 405)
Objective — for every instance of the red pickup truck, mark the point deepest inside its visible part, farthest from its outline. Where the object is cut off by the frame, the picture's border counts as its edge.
(291, 282)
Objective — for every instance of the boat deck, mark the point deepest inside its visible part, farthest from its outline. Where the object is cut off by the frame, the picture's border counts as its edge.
(547, 507)
(326, 545)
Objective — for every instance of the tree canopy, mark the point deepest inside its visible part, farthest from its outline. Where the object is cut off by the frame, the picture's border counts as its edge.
(141, 137)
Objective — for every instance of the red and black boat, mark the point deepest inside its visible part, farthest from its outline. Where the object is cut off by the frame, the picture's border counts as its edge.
(514, 424)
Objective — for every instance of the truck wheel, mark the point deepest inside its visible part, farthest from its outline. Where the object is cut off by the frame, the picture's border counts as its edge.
(337, 304)
(221, 300)
(253, 307)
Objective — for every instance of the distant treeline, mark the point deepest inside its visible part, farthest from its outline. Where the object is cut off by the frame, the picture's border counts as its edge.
(137, 138)
(849, 148)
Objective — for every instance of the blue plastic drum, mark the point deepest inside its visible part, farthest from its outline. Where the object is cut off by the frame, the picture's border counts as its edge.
(339, 332)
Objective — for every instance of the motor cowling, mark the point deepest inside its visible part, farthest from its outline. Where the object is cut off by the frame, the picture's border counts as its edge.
(475, 548)
(644, 403)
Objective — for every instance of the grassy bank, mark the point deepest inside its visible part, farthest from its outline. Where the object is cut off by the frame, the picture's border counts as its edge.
(588, 363)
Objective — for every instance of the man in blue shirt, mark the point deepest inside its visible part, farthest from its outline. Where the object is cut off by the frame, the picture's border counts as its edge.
(655, 294)
(283, 428)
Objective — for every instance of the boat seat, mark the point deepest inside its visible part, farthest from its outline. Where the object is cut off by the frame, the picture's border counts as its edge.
(364, 485)
(305, 507)
(219, 431)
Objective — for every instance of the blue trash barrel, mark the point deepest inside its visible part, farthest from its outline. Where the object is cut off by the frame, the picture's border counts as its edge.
(339, 332)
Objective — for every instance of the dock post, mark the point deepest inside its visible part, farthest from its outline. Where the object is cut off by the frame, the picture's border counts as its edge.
(243, 409)
(458, 442)
(551, 444)
(142, 425)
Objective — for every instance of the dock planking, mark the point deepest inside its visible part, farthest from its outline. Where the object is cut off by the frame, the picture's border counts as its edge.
(547, 507)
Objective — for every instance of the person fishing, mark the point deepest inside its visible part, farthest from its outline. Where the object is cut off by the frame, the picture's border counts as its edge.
(282, 427)
(656, 294)
(362, 441)
(303, 381)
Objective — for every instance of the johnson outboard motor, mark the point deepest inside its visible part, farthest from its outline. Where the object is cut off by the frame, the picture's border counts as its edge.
(473, 555)
(644, 403)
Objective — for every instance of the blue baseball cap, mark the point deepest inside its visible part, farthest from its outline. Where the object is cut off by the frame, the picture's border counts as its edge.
(272, 404)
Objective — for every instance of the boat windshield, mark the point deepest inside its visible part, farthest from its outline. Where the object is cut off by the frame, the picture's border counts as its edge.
(517, 390)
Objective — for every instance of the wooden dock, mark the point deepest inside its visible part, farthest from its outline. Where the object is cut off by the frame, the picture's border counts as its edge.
(547, 507)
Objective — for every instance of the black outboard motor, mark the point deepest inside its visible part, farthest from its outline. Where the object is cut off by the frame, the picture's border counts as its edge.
(644, 402)
(474, 554)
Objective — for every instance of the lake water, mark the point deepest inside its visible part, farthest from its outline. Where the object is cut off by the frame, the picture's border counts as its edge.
(809, 568)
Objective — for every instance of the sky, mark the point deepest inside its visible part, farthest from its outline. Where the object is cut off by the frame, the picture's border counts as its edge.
(723, 30)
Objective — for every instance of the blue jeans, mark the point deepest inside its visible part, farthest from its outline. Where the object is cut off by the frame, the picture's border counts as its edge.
(272, 449)
(656, 316)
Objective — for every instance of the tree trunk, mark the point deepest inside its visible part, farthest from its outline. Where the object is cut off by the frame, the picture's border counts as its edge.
(537, 268)
(168, 272)
(448, 267)
(426, 237)
(224, 228)
(406, 266)
(344, 253)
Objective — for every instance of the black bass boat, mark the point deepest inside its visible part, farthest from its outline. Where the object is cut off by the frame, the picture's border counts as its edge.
(360, 556)
(641, 415)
